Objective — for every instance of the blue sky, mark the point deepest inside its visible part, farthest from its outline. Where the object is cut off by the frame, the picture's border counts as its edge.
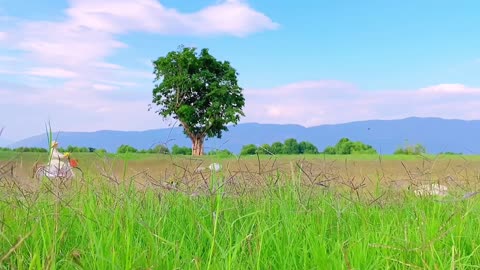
(85, 64)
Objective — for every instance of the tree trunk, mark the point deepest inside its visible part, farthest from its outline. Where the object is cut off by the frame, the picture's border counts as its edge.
(197, 145)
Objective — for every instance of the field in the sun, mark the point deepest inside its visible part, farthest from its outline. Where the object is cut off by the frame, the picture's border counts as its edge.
(144, 211)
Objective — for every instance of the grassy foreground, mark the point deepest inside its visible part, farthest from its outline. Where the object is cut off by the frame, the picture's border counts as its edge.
(6, 155)
(97, 225)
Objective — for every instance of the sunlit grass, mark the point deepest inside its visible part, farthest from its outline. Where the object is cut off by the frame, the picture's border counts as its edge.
(96, 225)
(146, 156)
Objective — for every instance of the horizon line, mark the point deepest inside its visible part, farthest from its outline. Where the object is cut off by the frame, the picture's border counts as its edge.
(13, 141)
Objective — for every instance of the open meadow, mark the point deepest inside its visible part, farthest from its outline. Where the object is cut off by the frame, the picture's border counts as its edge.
(239, 134)
(148, 211)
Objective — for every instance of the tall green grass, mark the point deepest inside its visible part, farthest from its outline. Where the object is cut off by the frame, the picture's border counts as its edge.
(49, 133)
(96, 225)
(5, 155)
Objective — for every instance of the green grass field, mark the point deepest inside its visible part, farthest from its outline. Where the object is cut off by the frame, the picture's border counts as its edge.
(280, 220)
(5, 155)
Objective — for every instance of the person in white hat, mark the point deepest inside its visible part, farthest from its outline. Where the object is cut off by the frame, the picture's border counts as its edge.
(58, 162)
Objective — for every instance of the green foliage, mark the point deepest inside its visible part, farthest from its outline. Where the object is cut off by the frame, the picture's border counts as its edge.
(416, 149)
(198, 90)
(126, 149)
(249, 149)
(450, 153)
(49, 133)
(220, 153)
(276, 148)
(5, 149)
(159, 149)
(97, 225)
(264, 149)
(178, 150)
(31, 149)
(77, 149)
(361, 148)
(101, 151)
(291, 147)
(70, 148)
(330, 150)
(346, 147)
(308, 148)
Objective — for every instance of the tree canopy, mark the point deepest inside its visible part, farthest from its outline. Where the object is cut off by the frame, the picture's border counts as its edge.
(124, 148)
(179, 150)
(199, 91)
(346, 147)
(416, 149)
(220, 153)
(249, 149)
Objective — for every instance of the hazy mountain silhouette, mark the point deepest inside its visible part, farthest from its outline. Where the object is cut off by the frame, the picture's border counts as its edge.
(436, 134)
(4, 142)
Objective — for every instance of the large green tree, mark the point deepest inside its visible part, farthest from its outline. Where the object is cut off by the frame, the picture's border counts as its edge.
(199, 91)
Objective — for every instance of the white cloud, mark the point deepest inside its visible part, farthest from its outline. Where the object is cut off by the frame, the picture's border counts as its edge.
(327, 102)
(63, 44)
(305, 103)
(104, 87)
(7, 71)
(88, 34)
(51, 72)
(450, 89)
(230, 17)
(119, 83)
(76, 48)
(69, 109)
(107, 65)
(235, 18)
(4, 58)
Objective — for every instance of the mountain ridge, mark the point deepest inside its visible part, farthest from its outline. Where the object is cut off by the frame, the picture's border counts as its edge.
(436, 134)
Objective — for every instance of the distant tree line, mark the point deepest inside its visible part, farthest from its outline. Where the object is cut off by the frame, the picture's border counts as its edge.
(76, 149)
(416, 149)
(124, 148)
(451, 153)
(288, 147)
(158, 149)
(222, 153)
(347, 147)
(24, 149)
(292, 147)
(162, 149)
(71, 149)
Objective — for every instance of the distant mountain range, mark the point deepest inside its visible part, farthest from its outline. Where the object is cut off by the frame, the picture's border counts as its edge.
(436, 134)
(4, 142)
